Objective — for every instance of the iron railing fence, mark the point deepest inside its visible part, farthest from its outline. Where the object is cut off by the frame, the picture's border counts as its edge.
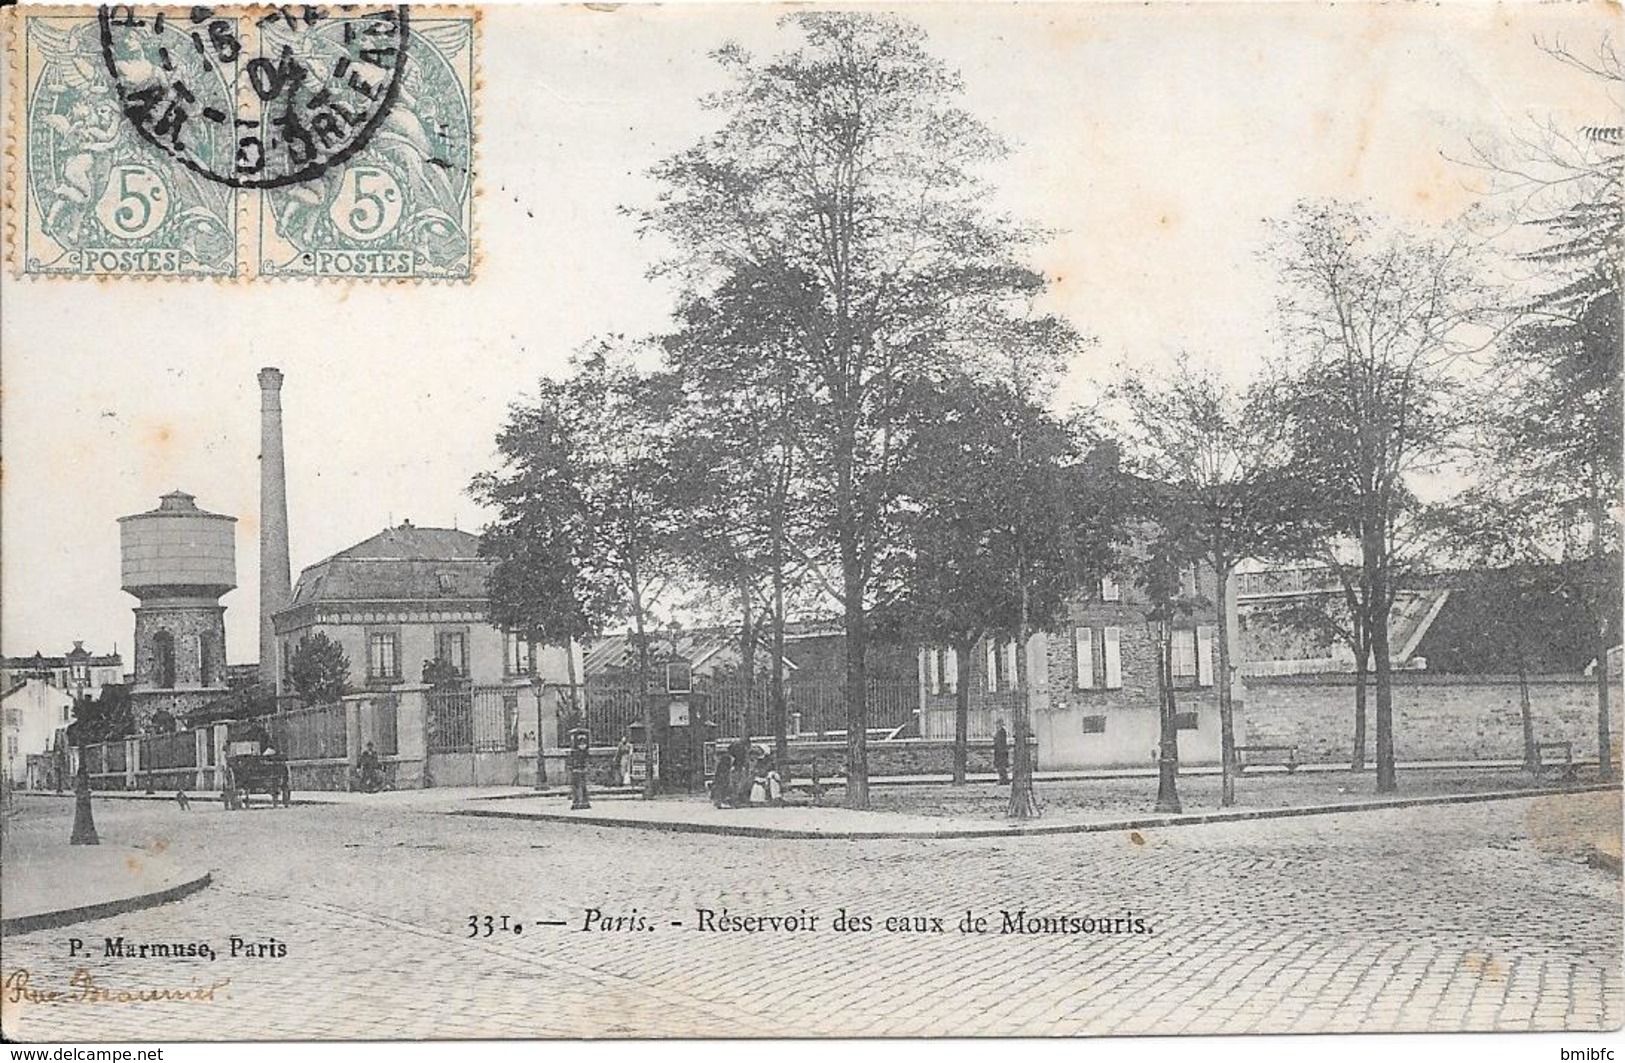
(161, 752)
(472, 719)
(611, 708)
(316, 733)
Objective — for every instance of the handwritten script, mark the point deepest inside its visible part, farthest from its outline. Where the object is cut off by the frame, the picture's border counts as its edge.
(82, 988)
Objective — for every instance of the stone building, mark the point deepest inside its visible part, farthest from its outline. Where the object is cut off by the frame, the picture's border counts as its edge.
(400, 599)
(79, 671)
(1094, 692)
(178, 560)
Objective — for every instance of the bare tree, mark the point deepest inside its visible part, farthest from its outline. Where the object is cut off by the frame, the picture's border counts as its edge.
(1376, 320)
(1225, 452)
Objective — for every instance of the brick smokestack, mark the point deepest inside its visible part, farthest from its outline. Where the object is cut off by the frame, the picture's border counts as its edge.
(276, 578)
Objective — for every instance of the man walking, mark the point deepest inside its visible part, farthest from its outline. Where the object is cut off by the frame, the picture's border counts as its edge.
(1001, 754)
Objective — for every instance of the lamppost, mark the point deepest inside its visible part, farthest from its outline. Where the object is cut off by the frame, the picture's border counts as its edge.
(1159, 626)
(84, 824)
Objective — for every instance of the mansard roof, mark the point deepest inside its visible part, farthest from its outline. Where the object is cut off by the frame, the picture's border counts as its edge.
(404, 563)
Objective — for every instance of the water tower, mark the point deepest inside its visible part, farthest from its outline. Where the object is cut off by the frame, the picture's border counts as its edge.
(178, 560)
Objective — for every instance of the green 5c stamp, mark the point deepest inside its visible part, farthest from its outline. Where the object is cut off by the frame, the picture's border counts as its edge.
(402, 204)
(96, 197)
(300, 141)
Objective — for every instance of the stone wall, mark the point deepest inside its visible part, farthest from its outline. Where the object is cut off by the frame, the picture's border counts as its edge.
(1435, 717)
(898, 756)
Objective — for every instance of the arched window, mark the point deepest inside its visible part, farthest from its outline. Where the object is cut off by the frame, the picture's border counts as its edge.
(163, 659)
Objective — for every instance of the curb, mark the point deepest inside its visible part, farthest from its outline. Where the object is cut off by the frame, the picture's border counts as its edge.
(1108, 826)
(205, 798)
(25, 924)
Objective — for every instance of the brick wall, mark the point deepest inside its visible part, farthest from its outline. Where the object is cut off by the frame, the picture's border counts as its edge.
(1435, 717)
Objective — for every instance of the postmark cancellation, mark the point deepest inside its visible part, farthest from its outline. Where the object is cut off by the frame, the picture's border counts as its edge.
(242, 142)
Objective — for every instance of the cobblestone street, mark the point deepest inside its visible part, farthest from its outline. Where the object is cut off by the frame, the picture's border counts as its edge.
(1463, 917)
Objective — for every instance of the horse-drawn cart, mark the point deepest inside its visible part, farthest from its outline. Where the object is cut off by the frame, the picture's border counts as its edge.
(254, 767)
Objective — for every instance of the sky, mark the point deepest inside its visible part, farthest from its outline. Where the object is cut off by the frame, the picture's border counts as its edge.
(1154, 140)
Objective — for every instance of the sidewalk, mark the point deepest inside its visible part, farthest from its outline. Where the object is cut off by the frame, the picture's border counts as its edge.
(48, 883)
(699, 816)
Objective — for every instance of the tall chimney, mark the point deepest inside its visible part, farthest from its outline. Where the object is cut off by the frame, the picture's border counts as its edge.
(276, 578)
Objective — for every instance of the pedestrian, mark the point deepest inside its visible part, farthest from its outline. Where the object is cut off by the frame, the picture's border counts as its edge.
(739, 753)
(369, 771)
(1001, 753)
(623, 761)
(775, 783)
(721, 779)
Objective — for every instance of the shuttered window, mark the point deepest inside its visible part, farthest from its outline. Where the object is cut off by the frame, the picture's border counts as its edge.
(1204, 655)
(1112, 652)
(1184, 653)
(1083, 643)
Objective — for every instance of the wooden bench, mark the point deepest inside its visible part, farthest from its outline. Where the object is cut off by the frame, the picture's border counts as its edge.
(1566, 748)
(1244, 755)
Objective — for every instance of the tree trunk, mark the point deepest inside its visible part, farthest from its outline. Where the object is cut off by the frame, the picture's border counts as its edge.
(1377, 626)
(857, 714)
(747, 653)
(1605, 605)
(1362, 670)
(1023, 797)
(1168, 738)
(781, 712)
(576, 715)
(1227, 711)
(962, 654)
(1531, 754)
(648, 708)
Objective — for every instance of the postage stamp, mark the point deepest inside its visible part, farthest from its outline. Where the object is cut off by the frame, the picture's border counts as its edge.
(242, 142)
(93, 194)
(399, 201)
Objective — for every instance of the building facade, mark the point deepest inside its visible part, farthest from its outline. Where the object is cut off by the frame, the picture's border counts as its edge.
(32, 710)
(1092, 686)
(401, 599)
(79, 671)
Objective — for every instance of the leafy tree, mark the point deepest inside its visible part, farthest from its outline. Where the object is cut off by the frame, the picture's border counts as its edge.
(1224, 451)
(442, 675)
(999, 534)
(1376, 320)
(583, 509)
(844, 172)
(739, 466)
(105, 718)
(1558, 428)
(319, 670)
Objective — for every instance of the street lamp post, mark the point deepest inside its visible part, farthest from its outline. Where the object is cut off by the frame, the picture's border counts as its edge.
(1168, 736)
(84, 824)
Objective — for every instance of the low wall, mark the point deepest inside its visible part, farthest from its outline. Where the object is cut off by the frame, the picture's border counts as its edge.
(474, 769)
(319, 774)
(895, 756)
(1436, 717)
